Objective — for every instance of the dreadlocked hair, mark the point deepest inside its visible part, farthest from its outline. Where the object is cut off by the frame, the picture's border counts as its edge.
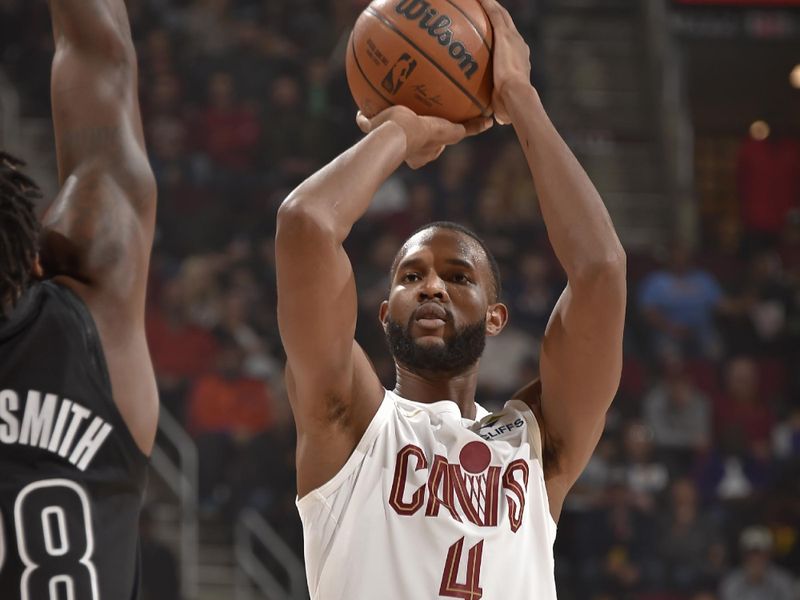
(19, 230)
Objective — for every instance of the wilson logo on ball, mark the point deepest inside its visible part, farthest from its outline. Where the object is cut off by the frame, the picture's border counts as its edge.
(399, 73)
(438, 26)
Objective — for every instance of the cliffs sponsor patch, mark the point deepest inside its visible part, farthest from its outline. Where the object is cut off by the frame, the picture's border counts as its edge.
(493, 429)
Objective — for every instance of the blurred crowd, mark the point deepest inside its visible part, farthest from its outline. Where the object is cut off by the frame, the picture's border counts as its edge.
(694, 490)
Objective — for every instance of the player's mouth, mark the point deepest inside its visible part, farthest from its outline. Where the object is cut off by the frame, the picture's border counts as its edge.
(431, 316)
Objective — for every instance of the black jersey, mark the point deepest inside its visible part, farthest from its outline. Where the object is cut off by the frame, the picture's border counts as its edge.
(71, 475)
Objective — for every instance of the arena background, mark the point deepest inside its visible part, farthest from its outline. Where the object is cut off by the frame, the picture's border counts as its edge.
(685, 115)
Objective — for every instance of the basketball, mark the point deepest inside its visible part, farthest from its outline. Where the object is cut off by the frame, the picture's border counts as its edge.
(433, 56)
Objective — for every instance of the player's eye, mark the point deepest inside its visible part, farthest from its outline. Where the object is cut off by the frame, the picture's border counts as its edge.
(460, 278)
(410, 277)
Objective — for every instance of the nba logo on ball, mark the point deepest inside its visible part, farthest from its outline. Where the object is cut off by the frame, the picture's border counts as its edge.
(433, 56)
(399, 73)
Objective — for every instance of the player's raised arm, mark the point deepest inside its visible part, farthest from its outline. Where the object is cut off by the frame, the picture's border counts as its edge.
(97, 234)
(99, 230)
(333, 389)
(581, 357)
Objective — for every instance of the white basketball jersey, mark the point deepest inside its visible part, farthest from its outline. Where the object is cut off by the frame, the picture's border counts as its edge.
(433, 506)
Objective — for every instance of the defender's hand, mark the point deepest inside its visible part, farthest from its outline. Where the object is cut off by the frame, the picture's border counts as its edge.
(512, 58)
(426, 137)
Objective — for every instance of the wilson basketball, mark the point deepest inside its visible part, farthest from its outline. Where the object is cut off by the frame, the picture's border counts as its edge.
(433, 56)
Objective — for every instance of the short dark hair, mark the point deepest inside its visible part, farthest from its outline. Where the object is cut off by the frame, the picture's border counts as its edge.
(19, 230)
(493, 266)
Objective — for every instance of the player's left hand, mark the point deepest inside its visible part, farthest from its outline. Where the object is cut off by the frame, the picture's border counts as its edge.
(512, 58)
(426, 137)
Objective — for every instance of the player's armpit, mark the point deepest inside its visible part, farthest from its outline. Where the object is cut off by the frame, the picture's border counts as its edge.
(531, 394)
(329, 425)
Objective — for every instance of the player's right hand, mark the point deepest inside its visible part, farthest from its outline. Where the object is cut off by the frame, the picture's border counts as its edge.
(426, 137)
(511, 63)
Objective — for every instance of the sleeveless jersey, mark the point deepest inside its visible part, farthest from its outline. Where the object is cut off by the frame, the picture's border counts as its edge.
(432, 506)
(71, 475)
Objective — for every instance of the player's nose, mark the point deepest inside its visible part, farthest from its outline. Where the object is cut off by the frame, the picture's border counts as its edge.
(433, 287)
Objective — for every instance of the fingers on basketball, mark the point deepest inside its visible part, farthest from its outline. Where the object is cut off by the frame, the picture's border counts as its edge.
(363, 122)
(497, 13)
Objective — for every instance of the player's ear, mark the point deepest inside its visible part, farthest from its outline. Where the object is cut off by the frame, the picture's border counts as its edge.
(38, 269)
(496, 318)
(383, 312)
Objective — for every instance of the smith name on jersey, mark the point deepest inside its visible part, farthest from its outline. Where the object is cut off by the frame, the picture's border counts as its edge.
(72, 475)
(55, 424)
(431, 505)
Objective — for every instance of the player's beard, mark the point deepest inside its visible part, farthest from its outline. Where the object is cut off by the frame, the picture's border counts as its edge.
(455, 356)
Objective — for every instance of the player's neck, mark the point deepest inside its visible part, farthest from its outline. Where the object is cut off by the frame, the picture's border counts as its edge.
(430, 387)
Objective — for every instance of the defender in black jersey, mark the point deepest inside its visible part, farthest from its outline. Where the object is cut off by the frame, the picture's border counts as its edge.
(78, 400)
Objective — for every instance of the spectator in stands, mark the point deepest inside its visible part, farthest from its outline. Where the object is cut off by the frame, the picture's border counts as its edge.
(228, 130)
(757, 578)
(158, 57)
(591, 490)
(679, 415)
(768, 174)
(510, 179)
(678, 304)
(456, 184)
(293, 142)
(236, 323)
(646, 475)
(686, 539)
(620, 556)
(742, 406)
(418, 211)
(226, 412)
(505, 359)
(786, 436)
(208, 27)
(758, 306)
(532, 292)
(723, 255)
(180, 349)
(731, 472)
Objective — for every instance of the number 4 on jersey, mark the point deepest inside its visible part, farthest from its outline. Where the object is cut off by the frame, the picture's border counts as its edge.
(470, 589)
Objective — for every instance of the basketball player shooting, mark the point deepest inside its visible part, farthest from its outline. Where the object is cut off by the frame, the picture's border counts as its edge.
(418, 492)
(78, 400)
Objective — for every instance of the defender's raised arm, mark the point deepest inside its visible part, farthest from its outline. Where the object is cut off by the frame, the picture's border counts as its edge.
(100, 228)
(98, 232)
